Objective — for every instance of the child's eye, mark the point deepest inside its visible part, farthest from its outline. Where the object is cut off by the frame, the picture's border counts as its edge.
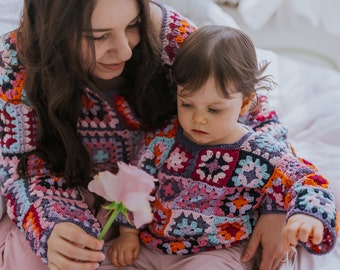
(214, 110)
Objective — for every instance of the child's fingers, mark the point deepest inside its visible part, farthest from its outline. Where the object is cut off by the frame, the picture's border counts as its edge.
(317, 234)
(302, 228)
(129, 257)
(122, 258)
(305, 230)
(311, 231)
(136, 253)
(317, 238)
(114, 257)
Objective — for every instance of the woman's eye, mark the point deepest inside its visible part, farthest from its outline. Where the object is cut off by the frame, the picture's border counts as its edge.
(96, 38)
(186, 105)
(103, 37)
(134, 24)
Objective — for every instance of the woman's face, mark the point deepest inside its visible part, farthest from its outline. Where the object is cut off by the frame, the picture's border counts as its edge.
(115, 32)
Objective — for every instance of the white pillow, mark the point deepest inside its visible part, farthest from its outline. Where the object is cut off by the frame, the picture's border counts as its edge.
(202, 12)
(10, 12)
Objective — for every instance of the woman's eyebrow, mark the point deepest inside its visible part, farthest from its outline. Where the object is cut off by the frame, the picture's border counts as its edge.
(109, 29)
(101, 30)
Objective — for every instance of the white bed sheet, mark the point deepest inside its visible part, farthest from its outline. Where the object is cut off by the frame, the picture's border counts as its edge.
(307, 100)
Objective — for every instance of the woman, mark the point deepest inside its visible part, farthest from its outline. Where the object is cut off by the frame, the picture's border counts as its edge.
(78, 80)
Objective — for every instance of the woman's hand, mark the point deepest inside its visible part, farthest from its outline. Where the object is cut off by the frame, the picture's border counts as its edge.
(267, 234)
(302, 228)
(70, 247)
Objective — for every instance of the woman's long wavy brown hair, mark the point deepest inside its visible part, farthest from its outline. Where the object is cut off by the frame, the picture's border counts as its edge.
(50, 38)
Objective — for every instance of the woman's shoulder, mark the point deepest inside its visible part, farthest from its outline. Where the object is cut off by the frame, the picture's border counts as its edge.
(12, 73)
(167, 131)
(175, 28)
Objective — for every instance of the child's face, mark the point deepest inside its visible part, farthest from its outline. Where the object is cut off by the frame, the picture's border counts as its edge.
(209, 118)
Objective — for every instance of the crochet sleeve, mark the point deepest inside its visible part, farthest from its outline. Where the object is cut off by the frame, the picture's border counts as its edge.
(296, 187)
(175, 30)
(265, 120)
(38, 204)
(311, 195)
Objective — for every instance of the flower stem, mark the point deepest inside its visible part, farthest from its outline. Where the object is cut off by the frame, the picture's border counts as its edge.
(116, 208)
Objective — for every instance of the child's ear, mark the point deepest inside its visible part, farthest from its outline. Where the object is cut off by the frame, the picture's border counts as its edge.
(247, 103)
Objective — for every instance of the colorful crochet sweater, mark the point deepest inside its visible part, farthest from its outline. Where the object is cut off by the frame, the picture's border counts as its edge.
(210, 197)
(107, 129)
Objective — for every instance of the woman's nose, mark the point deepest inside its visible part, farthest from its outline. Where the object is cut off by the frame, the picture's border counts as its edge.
(120, 48)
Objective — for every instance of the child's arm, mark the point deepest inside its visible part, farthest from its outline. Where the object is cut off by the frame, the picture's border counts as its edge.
(302, 227)
(125, 248)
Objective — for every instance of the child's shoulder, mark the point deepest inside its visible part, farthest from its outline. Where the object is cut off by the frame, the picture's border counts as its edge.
(264, 145)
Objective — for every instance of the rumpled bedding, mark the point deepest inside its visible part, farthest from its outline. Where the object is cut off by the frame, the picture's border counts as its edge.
(10, 11)
(322, 14)
(307, 100)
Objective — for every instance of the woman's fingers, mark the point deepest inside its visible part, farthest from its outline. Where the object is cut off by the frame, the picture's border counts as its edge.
(252, 246)
(70, 247)
(72, 233)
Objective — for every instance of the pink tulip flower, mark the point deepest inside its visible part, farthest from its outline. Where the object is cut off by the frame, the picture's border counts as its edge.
(129, 190)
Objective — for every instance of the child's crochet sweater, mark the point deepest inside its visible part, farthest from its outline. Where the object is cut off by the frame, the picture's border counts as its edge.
(209, 196)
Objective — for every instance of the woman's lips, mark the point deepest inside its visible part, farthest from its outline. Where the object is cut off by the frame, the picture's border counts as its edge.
(112, 67)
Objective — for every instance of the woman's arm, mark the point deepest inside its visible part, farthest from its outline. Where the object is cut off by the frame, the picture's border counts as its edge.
(265, 120)
(173, 30)
(41, 201)
(37, 205)
(266, 236)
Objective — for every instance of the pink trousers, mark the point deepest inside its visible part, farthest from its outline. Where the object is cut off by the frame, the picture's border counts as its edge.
(224, 259)
(15, 254)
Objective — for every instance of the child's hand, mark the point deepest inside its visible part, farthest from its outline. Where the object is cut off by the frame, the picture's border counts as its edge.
(302, 227)
(125, 249)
